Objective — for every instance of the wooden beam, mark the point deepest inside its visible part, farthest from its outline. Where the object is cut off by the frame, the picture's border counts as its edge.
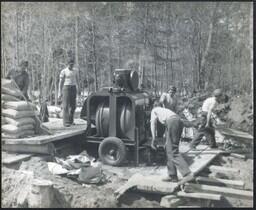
(238, 156)
(222, 190)
(207, 196)
(222, 169)
(14, 158)
(212, 180)
(40, 149)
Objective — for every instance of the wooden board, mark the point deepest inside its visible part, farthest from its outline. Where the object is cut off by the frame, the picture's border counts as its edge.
(236, 134)
(227, 182)
(8, 158)
(30, 148)
(59, 132)
(207, 196)
(215, 189)
(222, 169)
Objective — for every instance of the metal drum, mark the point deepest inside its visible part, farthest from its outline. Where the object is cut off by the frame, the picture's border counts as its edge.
(102, 119)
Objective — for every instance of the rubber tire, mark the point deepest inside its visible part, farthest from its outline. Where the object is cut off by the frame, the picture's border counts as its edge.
(121, 149)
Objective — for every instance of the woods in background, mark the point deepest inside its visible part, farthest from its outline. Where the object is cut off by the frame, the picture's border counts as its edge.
(200, 45)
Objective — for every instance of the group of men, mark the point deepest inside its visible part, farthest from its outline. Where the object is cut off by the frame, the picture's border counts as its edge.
(165, 112)
(68, 88)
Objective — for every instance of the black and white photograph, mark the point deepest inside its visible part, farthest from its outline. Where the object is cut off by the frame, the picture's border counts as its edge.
(127, 104)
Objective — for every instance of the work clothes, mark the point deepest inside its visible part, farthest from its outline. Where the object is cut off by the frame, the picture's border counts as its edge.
(174, 127)
(169, 102)
(69, 76)
(208, 132)
(209, 104)
(69, 104)
(21, 78)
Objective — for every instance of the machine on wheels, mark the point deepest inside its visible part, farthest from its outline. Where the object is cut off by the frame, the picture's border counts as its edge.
(118, 118)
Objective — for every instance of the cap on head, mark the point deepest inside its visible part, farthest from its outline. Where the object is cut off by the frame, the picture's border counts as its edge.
(172, 89)
(217, 92)
(71, 61)
(24, 64)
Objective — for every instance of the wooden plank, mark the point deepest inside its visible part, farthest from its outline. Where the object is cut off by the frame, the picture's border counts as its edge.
(235, 183)
(14, 158)
(238, 156)
(60, 132)
(215, 189)
(222, 169)
(207, 196)
(236, 134)
(40, 149)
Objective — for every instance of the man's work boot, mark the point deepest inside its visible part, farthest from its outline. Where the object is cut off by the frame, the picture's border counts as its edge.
(170, 179)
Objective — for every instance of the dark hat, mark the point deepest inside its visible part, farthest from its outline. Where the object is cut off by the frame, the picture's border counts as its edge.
(24, 64)
(172, 89)
(71, 61)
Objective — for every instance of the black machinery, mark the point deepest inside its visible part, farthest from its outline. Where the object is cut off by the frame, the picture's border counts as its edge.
(118, 117)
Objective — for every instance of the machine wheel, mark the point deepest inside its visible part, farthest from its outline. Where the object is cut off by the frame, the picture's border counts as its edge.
(112, 151)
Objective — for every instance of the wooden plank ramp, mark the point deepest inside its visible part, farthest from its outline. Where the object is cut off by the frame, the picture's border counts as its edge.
(9, 158)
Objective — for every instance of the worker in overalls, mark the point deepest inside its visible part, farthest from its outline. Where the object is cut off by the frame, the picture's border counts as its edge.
(174, 127)
(68, 87)
(205, 127)
(21, 78)
(168, 100)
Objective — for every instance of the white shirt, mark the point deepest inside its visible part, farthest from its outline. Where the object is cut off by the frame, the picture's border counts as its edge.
(161, 114)
(69, 76)
(209, 104)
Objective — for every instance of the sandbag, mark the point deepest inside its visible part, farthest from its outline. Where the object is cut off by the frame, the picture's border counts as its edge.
(19, 105)
(12, 92)
(22, 134)
(3, 121)
(6, 97)
(19, 122)
(14, 114)
(12, 129)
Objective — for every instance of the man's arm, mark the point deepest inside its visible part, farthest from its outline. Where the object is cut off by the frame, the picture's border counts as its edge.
(153, 123)
(61, 82)
(162, 99)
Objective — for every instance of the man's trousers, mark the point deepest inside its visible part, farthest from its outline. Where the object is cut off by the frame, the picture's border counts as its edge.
(69, 104)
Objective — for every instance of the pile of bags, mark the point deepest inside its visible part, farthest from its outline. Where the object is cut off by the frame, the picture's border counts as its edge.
(18, 116)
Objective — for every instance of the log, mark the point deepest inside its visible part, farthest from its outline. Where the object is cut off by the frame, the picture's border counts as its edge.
(227, 182)
(207, 196)
(222, 190)
(223, 169)
(171, 201)
(41, 195)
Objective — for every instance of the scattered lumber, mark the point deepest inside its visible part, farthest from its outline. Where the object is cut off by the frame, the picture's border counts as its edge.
(239, 135)
(171, 201)
(222, 169)
(207, 196)
(189, 187)
(15, 158)
(227, 182)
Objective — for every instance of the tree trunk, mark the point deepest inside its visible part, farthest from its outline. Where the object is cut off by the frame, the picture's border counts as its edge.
(251, 47)
(17, 35)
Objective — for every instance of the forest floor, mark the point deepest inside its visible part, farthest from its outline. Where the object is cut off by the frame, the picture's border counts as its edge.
(70, 193)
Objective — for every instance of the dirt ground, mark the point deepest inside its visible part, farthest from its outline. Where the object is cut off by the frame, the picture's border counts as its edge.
(69, 193)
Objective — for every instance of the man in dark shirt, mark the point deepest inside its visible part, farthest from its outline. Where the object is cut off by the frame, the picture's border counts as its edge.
(21, 78)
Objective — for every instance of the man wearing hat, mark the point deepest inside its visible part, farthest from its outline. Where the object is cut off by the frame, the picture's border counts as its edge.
(68, 87)
(168, 100)
(21, 78)
(206, 126)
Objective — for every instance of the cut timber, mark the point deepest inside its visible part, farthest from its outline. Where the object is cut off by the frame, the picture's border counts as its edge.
(236, 134)
(40, 149)
(222, 190)
(207, 196)
(223, 169)
(14, 158)
(234, 183)
(171, 201)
